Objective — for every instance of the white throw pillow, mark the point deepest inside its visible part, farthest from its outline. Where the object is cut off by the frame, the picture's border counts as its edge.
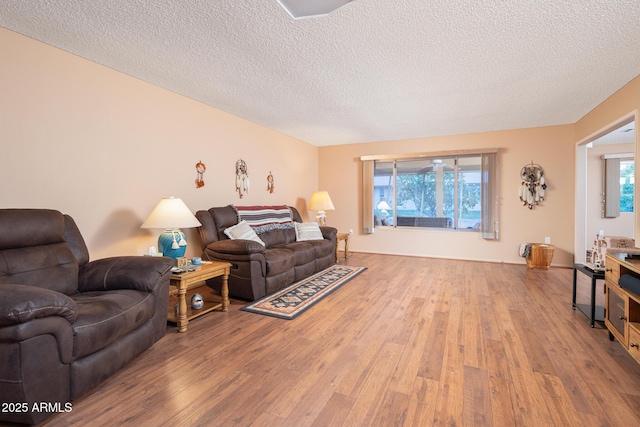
(308, 231)
(242, 230)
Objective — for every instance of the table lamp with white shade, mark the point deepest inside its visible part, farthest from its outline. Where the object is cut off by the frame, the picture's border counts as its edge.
(321, 202)
(384, 207)
(171, 214)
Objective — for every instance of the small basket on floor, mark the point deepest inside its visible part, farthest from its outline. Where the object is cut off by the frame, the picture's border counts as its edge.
(540, 256)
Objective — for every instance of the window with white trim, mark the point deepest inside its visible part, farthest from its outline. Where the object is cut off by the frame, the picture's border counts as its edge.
(447, 190)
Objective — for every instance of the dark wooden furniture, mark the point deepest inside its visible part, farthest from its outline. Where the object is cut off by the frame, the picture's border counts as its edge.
(592, 311)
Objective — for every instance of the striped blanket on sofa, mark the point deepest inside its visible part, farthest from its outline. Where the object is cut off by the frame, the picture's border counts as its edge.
(265, 218)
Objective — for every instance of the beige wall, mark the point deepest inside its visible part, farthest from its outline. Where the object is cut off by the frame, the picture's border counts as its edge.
(105, 147)
(550, 147)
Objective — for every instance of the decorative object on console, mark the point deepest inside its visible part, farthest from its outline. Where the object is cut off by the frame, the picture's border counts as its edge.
(171, 214)
(182, 263)
(242, 178)
(610, 244)
(321, 202)
(200, 168)
(533, 186)
(270, 185)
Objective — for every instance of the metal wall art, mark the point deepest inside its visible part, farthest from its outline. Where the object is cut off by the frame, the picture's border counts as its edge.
(242, 178)
(532, 187)
(200, 168)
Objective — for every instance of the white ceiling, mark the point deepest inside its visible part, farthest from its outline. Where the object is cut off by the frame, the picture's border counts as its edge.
(372, 70)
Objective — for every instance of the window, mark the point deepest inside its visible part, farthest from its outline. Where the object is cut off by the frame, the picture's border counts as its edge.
(448, 190)
(619, 184)
(626, 185)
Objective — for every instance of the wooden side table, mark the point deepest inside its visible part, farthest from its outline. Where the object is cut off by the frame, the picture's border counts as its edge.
(345, 237)
(193, 280)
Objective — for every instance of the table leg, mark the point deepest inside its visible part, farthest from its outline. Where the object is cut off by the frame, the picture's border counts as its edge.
(593, 299)
(573, 299)
(346, 247)
(224, 292)
(182, 309)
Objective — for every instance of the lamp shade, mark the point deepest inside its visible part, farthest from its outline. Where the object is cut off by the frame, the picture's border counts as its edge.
(383, 205)
(320, 201)
(171, 213)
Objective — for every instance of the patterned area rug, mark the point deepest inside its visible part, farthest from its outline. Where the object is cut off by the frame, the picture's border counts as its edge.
(291, 301)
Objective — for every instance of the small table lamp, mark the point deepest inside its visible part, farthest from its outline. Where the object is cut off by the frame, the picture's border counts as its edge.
(383, 207)
(171, 214)
(321, 202)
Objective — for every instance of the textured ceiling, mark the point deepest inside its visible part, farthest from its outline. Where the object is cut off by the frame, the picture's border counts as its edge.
(372, 70)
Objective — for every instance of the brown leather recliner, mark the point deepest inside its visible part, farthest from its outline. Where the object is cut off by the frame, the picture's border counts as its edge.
(261, 270)
(66, 324)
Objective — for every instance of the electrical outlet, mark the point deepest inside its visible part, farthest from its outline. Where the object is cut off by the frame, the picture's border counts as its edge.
(547, 240)
(351, 231)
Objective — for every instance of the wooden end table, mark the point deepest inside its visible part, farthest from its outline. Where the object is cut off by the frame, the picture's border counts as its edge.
(194, 279)
(345, 237)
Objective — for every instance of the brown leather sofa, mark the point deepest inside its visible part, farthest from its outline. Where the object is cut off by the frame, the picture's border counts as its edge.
(66, 324)
(261, 270)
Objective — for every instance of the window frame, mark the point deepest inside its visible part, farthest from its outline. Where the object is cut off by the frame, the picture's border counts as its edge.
(489, 198)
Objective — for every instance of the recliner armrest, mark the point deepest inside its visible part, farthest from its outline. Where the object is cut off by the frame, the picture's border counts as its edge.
(328, 233)
(125, 272)
(22, 303)
(236, 247)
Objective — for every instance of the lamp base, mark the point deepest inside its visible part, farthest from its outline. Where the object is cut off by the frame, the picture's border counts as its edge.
(321, 217)
(172, 243)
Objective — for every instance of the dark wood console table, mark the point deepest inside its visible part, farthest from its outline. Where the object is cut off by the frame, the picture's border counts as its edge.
(593, 312)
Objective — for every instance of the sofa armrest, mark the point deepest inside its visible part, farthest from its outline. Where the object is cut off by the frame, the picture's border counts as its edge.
(237, 247)
(126, 272)
(22, 303)
(329, 233)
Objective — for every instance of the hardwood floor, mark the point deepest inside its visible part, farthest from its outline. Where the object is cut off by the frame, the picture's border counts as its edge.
(409, 342)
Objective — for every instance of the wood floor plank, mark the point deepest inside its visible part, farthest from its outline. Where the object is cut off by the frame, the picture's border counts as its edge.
(476, 409)
(393, 409)
(503, 403)
(449, 405)
(561, 409)
(404, 376)
(422, 405)
(410, 342)
(335, 411)
(370, 398)
(432, 357)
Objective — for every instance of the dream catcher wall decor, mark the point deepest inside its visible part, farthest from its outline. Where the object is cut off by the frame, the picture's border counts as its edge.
(242, 178)
(271, 186)
(533, 186)
(200, 168)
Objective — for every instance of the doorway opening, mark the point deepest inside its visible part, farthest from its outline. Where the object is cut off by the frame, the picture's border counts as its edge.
(616, 139)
